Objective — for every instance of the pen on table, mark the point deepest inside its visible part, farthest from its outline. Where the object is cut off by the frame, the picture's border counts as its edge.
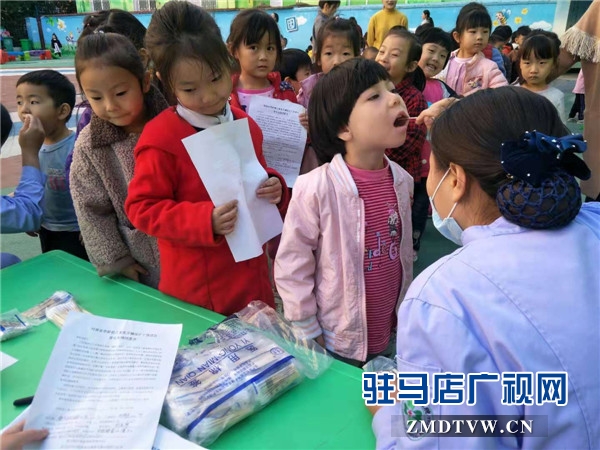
(23, 401)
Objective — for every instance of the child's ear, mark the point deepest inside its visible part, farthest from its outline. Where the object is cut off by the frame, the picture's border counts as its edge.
(345, 134)
(456, 36)
(412, 66)
(158, 76)
(63, 111)
(231, 50)
(288, 80)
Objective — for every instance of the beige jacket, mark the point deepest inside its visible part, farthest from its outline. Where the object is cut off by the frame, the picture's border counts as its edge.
(102, 168)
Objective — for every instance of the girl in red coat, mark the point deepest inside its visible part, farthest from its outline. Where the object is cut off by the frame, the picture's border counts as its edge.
(167, 199)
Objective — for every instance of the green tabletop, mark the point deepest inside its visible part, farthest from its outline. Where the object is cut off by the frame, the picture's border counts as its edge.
(324, 413)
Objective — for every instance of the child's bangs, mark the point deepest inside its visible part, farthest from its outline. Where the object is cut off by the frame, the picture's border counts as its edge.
(539, 47)
(477, 18)
(364, 77)
(211, 52)
(257, 26)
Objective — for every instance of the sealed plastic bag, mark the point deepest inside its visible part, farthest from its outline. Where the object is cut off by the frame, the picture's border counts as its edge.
(234, 369)
(37, 314)
(12, 324)
(381, 364)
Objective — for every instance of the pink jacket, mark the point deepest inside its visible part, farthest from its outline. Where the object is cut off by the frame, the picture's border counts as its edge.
(306, 87)
(319, 269)
(579, 84)
(478, 73)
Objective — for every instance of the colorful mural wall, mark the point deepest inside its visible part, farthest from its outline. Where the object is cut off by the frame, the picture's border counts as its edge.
(296, 23)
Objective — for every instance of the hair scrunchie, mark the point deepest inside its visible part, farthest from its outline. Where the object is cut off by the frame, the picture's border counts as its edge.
(541, 191)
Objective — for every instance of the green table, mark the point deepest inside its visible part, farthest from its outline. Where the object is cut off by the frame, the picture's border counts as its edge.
(324, 413)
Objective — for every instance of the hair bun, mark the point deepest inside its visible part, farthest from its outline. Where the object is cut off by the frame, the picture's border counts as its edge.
(552, 204)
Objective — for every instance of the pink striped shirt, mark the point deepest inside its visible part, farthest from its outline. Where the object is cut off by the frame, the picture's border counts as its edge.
(382, 266)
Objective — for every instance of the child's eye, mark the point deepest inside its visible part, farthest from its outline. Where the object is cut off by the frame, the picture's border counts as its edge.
(347, 54)
(271, 48)
(95, 98)
(19, 103)
(253, 47)
(189, 90)
(119, 94)
(444, 55)
(35, 102)
(373, 97)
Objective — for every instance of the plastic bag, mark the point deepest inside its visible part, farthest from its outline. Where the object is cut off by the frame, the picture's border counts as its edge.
(12, 325)
(381, 364)
(234, 369)
(57, 314)
(36, 315)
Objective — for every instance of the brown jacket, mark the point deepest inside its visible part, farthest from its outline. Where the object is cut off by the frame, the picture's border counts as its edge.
(102, 168)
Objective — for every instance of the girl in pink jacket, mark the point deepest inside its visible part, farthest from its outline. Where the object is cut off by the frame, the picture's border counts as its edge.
(345, 257)
(468, 69)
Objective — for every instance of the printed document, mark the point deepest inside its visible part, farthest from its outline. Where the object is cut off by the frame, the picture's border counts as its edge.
(105, 383)
(284, 136)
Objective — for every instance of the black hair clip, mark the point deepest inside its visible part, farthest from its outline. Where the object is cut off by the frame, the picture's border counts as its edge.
(535, 156)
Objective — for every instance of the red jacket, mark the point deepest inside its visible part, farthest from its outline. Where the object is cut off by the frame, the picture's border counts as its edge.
(168, 200)
(282, 90)
(408, 155)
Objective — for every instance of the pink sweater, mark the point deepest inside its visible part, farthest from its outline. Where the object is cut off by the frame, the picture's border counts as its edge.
(469, 76)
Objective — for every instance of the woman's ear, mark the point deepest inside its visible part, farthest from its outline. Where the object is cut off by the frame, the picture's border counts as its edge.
(459, 182)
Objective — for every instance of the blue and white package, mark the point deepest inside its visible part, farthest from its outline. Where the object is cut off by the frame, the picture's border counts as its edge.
(233, 370)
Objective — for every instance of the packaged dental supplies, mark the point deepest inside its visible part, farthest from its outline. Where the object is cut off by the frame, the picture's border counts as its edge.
(38, 314)
(234, 369)
(12, 324)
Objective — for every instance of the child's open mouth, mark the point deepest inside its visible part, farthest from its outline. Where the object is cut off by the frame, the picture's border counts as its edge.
(401, 121)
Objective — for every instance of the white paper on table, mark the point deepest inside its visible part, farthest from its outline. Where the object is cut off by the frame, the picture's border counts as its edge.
(105, 383)
(227, 164)
(164, 439)
(6, 361)
(284, 136)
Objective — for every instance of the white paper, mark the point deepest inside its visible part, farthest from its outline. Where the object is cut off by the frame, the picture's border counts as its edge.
(284, 136)
(6, 361)
(104, 384)
(164, 439)
(226, 162)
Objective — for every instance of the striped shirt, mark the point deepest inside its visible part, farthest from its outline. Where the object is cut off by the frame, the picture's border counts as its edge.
(382, 266)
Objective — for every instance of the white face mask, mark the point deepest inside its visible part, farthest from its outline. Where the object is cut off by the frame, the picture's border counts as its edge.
(448, 227)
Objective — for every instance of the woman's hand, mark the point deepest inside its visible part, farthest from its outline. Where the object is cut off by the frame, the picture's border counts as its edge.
(429, 115)
(14, 438)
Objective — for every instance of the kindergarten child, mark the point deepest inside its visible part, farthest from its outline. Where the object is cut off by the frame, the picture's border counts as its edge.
(56, 45)
(345, 258)
(337, 41)
(255, 43)
(468, 69)
(50, 96)
(399, 54)
(167, 199)
(295, 67)
(538, 57)
(437, 46)
(112, 77)
(327, 10)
